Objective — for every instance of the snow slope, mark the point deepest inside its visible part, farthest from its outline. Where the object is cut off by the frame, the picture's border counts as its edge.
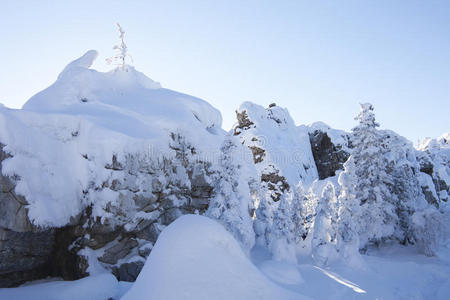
(196, 258)
(99, 287)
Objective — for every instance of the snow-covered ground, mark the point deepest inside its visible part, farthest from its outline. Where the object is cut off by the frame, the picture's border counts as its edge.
(196, 258)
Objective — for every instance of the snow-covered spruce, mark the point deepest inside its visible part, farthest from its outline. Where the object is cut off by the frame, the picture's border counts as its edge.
(324, 240)
(231, 205)
(380, 189)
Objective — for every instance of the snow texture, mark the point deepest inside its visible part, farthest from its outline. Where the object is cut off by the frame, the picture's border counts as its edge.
(99, 287)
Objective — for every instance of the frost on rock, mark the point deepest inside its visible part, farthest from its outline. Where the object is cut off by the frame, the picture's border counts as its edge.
(282, 157)
(281, 154)
(434, 157)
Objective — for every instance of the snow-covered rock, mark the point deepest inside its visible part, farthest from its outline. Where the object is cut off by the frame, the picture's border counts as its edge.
(330, 147)
(434, 157)
(281, 153)
(109, 159)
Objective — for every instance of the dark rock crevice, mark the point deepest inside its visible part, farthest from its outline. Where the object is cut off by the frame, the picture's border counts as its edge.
(328, 157)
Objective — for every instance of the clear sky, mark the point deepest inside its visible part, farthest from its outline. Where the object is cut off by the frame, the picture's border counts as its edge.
(317, 58)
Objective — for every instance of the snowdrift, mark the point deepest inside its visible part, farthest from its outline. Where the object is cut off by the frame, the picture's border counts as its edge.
(196, 258)
(100, 287)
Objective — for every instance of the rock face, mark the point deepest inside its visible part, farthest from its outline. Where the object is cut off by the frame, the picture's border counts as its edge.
(122, 241)
(119, 243)
(25, 250)
(328, 157)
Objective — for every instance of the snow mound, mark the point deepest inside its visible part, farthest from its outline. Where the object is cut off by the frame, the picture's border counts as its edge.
(99, 287)
(196, 258)
(121, 96)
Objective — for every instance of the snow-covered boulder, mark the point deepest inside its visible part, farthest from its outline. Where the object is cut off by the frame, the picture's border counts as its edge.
(281, 153)
(434, 157)
(101, 163)
(196, 258)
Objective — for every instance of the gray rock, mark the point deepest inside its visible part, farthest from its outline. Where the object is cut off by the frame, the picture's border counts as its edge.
(118, 251)
(149, 233)
(145, 251)
(13, 213)
(24, 256)
(328, 157)
(128, 271)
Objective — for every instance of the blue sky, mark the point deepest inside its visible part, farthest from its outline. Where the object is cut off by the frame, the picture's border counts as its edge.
(317, 58)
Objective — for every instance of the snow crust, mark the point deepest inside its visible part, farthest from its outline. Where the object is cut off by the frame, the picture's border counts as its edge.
(196, 258)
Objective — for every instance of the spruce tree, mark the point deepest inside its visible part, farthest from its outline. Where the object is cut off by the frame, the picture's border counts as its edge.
(282, 234)
(231, 204)
(325, 227)
(366, 194)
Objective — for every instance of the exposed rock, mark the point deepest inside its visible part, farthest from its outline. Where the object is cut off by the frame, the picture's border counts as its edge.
(118, 251)
(115, 164)
(258, 154)
(275, 183)
(13, 212)
(24, 256)
(145, 250)
(149, 233)
(328, 157)
(25, 250)
(244, 122)
(128, 271)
